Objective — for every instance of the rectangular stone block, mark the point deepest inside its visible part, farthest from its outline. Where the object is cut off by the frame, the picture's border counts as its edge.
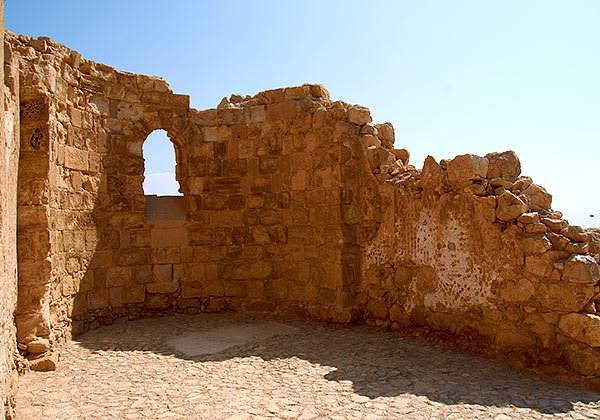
(142, 274)
(162, 273)
(191, 290)
(178, 273)
(98, 299)
(76, 159)
(116, 297)
(163, 287)
(166, 256)
(194, 272)
(118, 276)
(168, 237)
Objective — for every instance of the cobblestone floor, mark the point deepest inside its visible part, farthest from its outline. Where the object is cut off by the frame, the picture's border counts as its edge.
(128, 371)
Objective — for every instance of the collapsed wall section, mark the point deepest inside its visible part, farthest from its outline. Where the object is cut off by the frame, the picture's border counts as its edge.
(469, 248)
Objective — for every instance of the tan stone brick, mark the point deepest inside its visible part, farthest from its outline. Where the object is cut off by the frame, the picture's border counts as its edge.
(258, 114)
(191, 290)
(299, 180)
(168, 237)
(116, 297)
(118, 276)
(163, 287)
(178, 273)
(76, 159)
(98, 299)
(162, 273)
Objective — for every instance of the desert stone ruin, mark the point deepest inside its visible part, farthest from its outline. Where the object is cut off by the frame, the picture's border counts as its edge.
(293, 203)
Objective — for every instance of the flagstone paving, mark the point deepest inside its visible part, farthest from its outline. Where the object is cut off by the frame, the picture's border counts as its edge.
(134, 371)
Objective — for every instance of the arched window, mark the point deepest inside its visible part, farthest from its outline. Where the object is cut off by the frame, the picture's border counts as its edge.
(159, 165)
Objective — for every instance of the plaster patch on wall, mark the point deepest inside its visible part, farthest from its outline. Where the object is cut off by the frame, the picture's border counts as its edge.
(445, 248)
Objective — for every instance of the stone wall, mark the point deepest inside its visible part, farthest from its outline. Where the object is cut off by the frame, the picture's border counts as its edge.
(470, 249)
(292, 203)
(9, 158)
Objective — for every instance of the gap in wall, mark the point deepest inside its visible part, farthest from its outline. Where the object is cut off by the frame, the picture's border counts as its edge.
(159, 165)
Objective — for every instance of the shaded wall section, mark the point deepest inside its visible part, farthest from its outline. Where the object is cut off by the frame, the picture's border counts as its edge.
(9, 158)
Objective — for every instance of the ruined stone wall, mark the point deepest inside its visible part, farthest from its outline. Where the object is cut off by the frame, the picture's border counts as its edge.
(9, 158)
(292, 203)
(468, 248)
(261, 179)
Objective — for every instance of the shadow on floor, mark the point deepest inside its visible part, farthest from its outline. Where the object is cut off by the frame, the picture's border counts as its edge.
(378, 364)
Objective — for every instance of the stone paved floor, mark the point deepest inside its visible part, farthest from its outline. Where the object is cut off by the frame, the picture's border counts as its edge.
(128, 371)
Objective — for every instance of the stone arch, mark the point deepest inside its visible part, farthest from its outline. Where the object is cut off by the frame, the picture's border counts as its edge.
(160, 165)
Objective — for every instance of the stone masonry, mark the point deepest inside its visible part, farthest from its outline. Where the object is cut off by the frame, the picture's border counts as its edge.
(292, 203)
(9, 160)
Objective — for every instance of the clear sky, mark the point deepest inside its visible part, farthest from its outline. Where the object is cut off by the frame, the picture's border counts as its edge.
(453, 77)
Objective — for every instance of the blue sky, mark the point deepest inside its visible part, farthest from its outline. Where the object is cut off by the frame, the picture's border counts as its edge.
(452, 76)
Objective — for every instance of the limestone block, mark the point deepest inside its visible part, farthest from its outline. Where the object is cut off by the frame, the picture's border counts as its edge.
(567, 297)
(319, 91)
(299, 180)
(528, 218)
(369, 129)
(558, 241)
(359, 115)
(370, 140)
(133, 256)
(537, 197)
(536, 244)
(39, 44)
(581, 327)
(116, 297)
(157, 301)
(261, 269)
(505, 165)
(230, 116)
(162, 287)
(205, 118)
(431, 174)
(162, 273)
(576, 248)
(168, 237)
(508, 206)
(466, 168)
(583, 359)
(118, 276)
(142, 274)
(509, 336)
(98, 299)
(135, 293)
(38, 346)
(574, 233)
(100, 105)
(540, 265)
(521, 183)
(385, 132)
(45, 364)
(402, 154)
(536, 228)
(258, 114)
(76, 159)
(296, 92)
(520, 291)
(281, 111)
(581, 269)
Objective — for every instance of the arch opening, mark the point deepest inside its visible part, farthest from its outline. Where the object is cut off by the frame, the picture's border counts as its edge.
(159, 166)
(164, 201)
